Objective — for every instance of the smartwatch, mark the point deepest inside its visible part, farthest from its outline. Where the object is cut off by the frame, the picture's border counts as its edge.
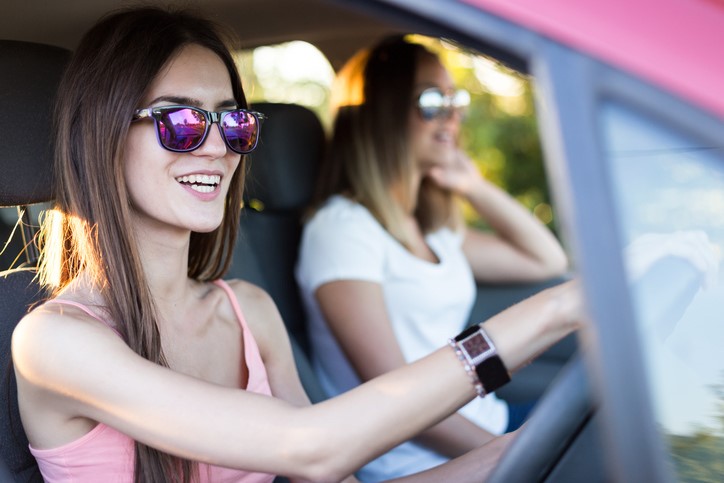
(480, 352)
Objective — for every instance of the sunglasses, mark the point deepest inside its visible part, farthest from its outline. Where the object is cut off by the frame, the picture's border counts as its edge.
(434, 104)
(184, 128)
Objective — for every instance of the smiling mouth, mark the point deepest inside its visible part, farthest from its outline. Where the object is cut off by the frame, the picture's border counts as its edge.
(203, 183)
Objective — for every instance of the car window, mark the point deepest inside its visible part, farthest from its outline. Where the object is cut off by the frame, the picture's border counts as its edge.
(499, 133)
(291, 72)
(666, 182)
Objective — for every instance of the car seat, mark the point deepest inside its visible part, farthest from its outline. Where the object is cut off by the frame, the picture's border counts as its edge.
(29, 75)
(280, 182)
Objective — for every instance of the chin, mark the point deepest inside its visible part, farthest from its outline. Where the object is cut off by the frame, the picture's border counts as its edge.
(205, 228)
(204, 225)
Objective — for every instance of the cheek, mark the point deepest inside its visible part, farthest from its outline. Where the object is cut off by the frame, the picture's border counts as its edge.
(232, 164)
(143, 165)
(132, 158)
(414, 121)
(137, 143)
(418, 135)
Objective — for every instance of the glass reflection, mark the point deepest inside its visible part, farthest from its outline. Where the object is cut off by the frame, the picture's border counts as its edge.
(669, 193)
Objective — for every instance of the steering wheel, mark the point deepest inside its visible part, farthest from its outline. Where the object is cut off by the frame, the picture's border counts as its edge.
(565, 411)
(556, 420)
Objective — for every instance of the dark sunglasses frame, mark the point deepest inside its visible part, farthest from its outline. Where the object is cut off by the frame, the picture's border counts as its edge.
(458, 101)
(211, 117)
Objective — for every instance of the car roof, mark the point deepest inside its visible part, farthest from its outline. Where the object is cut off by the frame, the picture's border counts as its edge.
(675, 44)
(337, 30)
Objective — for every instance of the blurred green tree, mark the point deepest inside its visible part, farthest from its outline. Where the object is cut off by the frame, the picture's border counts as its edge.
(699, 457)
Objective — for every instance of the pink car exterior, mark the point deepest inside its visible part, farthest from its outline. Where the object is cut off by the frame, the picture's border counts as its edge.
(676, 44)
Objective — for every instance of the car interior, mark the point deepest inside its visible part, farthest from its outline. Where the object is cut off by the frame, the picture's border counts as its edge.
(560, 441)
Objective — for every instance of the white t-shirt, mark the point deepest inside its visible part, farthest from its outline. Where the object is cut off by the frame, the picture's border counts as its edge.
(427, 304)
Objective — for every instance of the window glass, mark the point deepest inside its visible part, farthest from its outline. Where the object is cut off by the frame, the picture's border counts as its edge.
(669, 191)
(500, 132)
(293, 72)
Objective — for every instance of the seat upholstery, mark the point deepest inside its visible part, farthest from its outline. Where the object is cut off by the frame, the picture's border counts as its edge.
(280, 183)
(29, 75)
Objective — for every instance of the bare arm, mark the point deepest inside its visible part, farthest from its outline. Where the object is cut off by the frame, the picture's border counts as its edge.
(474, 467)
(356, 314)
(81, 369)
(521, 247)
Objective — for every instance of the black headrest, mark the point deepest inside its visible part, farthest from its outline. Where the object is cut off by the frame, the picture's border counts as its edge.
(29, 76)
(284, 167)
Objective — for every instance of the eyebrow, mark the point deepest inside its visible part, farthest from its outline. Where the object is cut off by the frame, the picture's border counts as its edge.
(188, 101)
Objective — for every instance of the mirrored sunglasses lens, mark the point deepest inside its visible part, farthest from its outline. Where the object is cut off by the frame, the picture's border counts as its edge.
(461, 98)
(241, 130)
(181, 129)
(430, 103)
(434, 104)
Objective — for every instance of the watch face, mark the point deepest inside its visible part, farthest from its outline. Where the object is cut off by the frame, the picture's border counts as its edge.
(475, 345)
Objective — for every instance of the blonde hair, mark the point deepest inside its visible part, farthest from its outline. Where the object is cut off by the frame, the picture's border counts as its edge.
(368, 158)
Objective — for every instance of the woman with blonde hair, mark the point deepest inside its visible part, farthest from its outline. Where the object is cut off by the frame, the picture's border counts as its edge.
(386, 266)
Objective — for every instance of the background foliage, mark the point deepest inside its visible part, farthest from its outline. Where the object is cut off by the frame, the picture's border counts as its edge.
(697, 457)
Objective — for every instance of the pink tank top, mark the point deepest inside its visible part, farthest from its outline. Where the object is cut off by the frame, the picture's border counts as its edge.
(107, 455)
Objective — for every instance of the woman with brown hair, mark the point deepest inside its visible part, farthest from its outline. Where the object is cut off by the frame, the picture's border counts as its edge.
(144, 365)
(386, 266)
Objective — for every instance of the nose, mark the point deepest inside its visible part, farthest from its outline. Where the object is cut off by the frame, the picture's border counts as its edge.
(451, 114)
(458, 115)
(214, 145)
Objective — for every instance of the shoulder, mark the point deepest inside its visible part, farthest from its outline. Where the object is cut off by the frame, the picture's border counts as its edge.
(342, 242)
(247, 293)
(52, 336)
(54, 321)
(340, 221)
(258, 308)
(340, 209)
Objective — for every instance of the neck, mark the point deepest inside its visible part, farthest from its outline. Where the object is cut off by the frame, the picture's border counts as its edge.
(164, 257)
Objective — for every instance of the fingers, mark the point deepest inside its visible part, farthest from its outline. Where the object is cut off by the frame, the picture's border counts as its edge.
(458, 174)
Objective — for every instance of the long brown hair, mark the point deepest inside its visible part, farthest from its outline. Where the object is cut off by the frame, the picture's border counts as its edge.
(87, 231)
(368, 157)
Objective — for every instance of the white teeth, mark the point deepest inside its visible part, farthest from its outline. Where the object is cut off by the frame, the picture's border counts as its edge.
(201, 181)
(202, 188)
